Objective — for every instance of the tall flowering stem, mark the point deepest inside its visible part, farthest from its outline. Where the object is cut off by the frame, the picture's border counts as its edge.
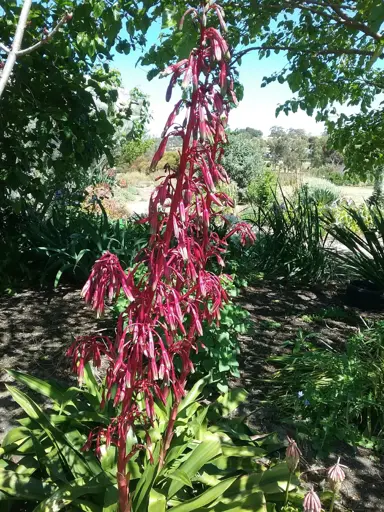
(150, 356)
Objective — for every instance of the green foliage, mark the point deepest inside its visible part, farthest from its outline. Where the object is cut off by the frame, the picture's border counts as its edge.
(261, 192)
(67, 240)
(334, 55)
(365, 257)
(212, 461)
(333, 173)
(219, 358)
(171, 159)
(59, 109)
(133, 149)
(243, 159)
(290, 243)
(333, 395)
(288, 149)
(250, 132)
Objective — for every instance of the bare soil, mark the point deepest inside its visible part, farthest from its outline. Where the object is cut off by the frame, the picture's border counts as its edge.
(36, 329)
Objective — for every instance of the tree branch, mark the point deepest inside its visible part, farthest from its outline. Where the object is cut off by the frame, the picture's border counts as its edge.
(4, 48)
(14, 52)
(327, 51)
(318, 6)
(356, 24)
(63, 20)
(16, 45)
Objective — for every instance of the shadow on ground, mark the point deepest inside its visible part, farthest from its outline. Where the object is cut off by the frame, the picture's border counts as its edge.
(36, 328)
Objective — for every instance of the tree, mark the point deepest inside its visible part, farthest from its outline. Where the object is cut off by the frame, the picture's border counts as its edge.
(334, 50)
(288, 149)
(58, 111)
(244, 158)
(321, 153)
(250, 132)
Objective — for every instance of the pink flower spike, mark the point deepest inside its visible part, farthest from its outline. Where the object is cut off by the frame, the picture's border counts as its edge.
(312, 502)
(191, 10)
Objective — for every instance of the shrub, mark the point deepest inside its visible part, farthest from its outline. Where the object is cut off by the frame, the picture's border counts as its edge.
(338, 176)
(133, 149)
(330, 395)
(211, 459)
(365, 257)
(68, 240)
(261, 192)
(290, 242)
(321, 191)
(171, 160)
(243, 159)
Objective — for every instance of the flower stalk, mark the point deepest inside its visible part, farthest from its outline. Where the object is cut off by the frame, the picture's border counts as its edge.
(292, 458)
(150, 355)
(336, 477)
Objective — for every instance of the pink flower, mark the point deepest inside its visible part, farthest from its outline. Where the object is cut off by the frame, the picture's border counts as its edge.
(149, 358)
(292, 455)
(336, 475)
(312, 502)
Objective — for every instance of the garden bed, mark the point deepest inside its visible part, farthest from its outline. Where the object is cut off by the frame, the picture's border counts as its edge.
(278, 314)
(37, 327)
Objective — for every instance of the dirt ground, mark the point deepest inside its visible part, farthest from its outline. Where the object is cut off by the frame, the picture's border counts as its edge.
(37, 327)
(140, 204)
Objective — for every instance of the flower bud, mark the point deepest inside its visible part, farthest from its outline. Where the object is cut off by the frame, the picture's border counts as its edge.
(292, 455)
(336, 476)
(312, 502)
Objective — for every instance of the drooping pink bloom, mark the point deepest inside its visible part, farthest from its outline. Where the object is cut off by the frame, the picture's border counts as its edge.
(336, 475)
(106, 280)
(311, 502)
(174, 296)
(292, 455)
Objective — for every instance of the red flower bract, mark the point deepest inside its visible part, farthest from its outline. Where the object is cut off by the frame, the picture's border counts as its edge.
(167, 308)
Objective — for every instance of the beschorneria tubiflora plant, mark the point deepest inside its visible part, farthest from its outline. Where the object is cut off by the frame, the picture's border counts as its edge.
(164, 318)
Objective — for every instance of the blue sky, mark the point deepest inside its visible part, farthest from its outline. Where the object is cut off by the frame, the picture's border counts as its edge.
(257, 109)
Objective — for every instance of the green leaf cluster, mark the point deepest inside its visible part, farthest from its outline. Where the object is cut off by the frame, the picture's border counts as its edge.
(212, 464)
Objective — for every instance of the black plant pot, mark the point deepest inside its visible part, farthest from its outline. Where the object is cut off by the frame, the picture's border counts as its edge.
(365, 295)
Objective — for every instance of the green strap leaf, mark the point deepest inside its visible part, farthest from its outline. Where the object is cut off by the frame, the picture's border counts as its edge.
(157, 501)
(67, 494)
(202, 454)
(111, 499)
(24, 487)
(195, 392)
(43, 387)
(180, 476)
(206, 498)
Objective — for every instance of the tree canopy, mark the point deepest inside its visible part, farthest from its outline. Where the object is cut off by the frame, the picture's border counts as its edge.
(58, 113)
(334, 49)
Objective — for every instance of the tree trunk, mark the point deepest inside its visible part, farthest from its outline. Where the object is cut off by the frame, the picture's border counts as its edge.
(378, 183)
